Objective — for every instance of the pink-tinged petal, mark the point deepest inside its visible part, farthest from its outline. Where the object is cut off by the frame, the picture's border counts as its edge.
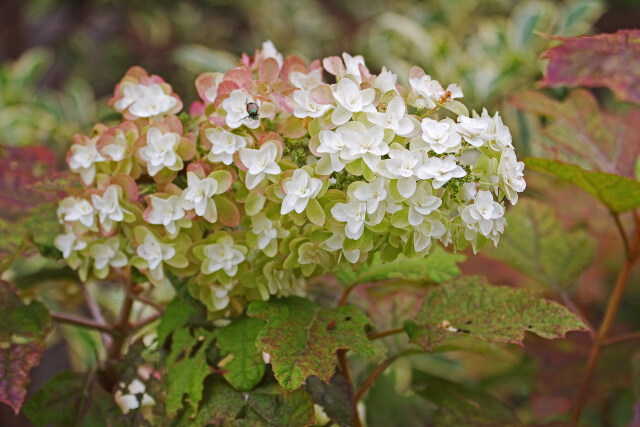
(314, 143)
(238, 162)
(198, 168)
(224, 90)
(315, 65)
(334, 65)
(203, 83)
(322, 94)
(241, 76)
(128, 185)
(416, 73)
(228, 213)
(276, 139)
(364, 71)
(292, 63)
(293, 127)
(196, 109)
(186, 148)
(269, 71)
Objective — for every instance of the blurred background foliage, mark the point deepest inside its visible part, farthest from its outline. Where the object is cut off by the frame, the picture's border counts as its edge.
(59, 62)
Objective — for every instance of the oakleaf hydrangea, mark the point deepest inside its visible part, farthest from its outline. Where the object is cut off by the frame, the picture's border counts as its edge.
(276, 176)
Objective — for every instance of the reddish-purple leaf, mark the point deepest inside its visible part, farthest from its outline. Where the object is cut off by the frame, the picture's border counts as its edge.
(603, 60)
(586, 134)
(23, 329)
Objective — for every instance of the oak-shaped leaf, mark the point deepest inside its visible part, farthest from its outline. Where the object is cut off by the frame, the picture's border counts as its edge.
(584, 133)
(237, 342)
(537, 244)
(438, 267)
(601, 60)
(71, 399)
(496, 314)
(176, 316)
(618, 193)
(266, 406)
(335, 398)
(187, 368)
(23, 329)
(302, 338)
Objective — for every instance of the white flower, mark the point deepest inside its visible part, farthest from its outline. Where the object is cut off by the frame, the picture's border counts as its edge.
(336, 243)
(222, 256)
(422, 203)
(386, 81)
(259, 163)
(442, 136)
(264, 230)
(166, 212)
(393, 118)
(474, 129)
(402, 165)
(305, 106)
(220, 294)
(483, 212)
(426, 92)
(331, 143)
(497, 135)
(224, 145)
(154, 252)
(360, 142)
(128, 90)
(469, 191)
(372, 194)
(72, 209)
(425, 232)
(354, 214)
(108, 253)
(298, 191)
(160, 151)
(511, 174)
(83, 159)
(351, 100)
(150, 101)
(198, 196)
(352, 64)
(67, 243)
(129, 401)
(270, 51)
(441, 170)
(236, 107)
(108, 207)
(306, 81)
(117, 149)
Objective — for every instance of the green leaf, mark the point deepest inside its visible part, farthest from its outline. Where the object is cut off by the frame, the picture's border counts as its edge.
(472, 307)
(388, 406)
(618, 193)
(246, 368)
(459, 405)
(302, 338)
(23, 329)
(267, 405)
(176, 315)
(187, 368)
(70, 399)
(439, 266)
(336, 398)
(537, 244)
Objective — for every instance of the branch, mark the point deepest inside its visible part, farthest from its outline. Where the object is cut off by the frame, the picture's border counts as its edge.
(375, 374)
(344, 367)
(621, 338)
(147, 301)
(623, 234)
(70, 319)
(144, 322)
(95, 313)
(383, 334)
(607, 323)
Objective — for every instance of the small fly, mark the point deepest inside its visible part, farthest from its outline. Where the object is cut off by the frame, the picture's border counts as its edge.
(253, 111)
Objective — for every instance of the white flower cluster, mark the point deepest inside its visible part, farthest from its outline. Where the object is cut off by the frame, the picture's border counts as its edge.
(285, 177)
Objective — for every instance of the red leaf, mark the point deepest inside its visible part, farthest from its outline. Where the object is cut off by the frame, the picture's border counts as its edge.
(603, 60)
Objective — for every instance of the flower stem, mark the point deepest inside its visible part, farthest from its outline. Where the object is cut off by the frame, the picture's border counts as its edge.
(607, 323)
(378, 335)
(375, 374)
